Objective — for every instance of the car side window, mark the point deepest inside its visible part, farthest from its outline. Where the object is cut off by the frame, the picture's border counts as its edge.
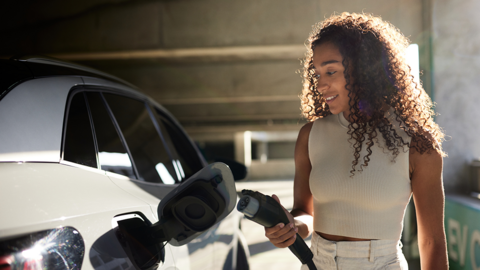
(151, 159)
(79, 145)
(186, 159)
(112, 155)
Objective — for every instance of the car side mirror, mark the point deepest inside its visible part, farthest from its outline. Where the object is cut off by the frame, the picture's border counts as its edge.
(190, 209)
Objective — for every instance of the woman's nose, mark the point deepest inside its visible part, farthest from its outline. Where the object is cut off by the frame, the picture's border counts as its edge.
(321, 85)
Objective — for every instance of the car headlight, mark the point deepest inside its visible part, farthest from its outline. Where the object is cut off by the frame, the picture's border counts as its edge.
(60, 248)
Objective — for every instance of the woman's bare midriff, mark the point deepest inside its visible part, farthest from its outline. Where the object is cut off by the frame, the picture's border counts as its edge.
(337, 238)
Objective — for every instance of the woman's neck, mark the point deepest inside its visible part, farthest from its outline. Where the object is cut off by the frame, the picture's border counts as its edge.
(352, 117)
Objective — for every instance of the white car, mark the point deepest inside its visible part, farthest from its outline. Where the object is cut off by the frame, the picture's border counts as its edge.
(85, 161)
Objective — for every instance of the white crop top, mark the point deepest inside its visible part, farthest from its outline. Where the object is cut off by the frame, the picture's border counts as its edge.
(371, 204)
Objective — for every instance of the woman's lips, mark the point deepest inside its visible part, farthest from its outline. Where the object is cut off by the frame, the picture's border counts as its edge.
(330, 99)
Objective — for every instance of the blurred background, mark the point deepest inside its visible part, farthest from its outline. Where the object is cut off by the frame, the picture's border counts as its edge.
(229, 72)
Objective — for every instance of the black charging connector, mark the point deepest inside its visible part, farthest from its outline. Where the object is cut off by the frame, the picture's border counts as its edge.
(267, 212)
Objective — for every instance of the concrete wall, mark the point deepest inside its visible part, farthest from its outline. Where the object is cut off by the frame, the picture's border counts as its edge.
(273, 169)
(456, 29)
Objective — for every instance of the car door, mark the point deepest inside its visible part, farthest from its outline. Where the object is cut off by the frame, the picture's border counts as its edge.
(89, 133)
(144, 158)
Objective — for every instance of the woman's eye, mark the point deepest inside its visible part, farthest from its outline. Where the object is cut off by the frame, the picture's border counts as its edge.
(331, 72)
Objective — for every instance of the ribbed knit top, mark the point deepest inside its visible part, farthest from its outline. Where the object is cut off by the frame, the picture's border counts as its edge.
(371, 204)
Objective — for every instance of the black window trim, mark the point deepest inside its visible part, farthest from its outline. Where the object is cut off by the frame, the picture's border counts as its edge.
(92, 126)
(120, 134)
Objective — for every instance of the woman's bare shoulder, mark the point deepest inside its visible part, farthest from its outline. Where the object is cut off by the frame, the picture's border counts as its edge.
(429, 161)
(304, 132)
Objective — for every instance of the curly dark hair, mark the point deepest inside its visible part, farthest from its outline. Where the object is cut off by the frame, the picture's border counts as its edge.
(377, 75)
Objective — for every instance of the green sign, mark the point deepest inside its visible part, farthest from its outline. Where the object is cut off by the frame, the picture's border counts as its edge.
(462, 225)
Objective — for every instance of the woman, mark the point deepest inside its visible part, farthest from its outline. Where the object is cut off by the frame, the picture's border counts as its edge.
(370, 144)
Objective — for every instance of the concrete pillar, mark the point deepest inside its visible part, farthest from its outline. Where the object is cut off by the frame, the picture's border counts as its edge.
(456, 32)
(262, 151)
(243, 147)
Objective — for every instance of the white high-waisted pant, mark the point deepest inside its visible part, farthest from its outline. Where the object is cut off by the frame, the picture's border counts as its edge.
(358, 255)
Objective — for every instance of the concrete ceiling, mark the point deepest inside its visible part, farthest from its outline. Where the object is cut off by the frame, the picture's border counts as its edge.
(218, 66)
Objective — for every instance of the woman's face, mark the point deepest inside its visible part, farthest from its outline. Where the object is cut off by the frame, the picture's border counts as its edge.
(327, 62)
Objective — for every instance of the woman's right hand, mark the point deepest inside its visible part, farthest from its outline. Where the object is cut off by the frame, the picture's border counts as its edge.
(282, 235)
